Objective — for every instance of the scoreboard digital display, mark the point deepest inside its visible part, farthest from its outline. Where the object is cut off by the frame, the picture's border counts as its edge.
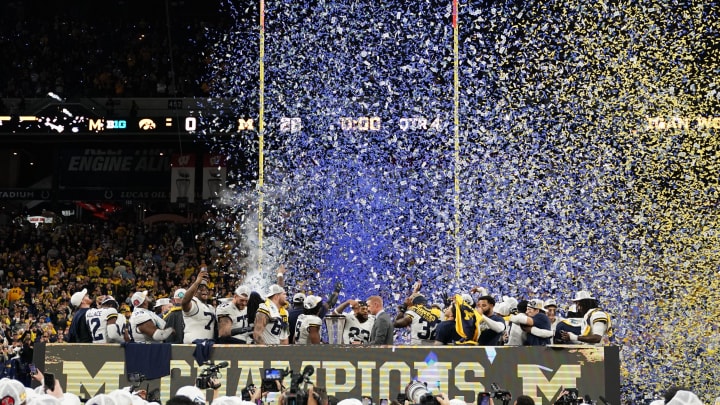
(32, 124)
(74, 124)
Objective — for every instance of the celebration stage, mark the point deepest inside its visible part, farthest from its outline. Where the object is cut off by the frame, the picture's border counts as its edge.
(352, 371)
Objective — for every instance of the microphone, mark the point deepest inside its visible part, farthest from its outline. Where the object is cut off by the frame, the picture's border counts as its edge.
(218, 366)
(308, 371)
(602, 398)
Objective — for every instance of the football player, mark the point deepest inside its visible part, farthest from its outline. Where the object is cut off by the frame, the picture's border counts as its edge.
(270, 327)
(358, 323)
(144, 324)
(307, 329)
(421, 319)
(198, 314)
(492, 325)
(233, 324)
(595, 327)
(104, 323)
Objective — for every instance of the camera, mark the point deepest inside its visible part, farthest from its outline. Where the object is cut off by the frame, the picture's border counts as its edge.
(206, 379)
(246, 392)
(136, 379)
(418, 393)
(271, 377)
(568, 396)
(298, 395)
(497, 393)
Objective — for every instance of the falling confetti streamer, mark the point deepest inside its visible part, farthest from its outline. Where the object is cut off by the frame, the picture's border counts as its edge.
(588, 159)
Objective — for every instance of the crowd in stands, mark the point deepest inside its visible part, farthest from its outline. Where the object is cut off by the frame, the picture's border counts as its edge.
(41, 267)
(123, 49)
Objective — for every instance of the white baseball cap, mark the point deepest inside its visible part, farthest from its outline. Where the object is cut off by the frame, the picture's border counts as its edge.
(536, 304)
(13, 389)
(162, 301)
(70, 399)
(275, 289)
(138, 298)
(108, 299)
(43, 399)
(311, 301)
(179, 293)
(77, 298)
(121, 397)
(101, 399)
(583, 295)
(192, 392)
(298, 298)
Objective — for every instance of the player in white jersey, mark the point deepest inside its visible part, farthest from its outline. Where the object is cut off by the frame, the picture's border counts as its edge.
(145, 325)
(270, 327)
(121, 324)
(307, 329)
(199, 316)
(103, 322)
(596, 325)
(233, 323)
(421, 319)
(358, 323)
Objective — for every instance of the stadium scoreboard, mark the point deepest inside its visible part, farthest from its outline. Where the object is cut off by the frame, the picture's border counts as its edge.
(60, 124)
(188, 124)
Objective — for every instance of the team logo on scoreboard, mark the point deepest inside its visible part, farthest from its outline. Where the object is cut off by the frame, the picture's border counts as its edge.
(146, 124)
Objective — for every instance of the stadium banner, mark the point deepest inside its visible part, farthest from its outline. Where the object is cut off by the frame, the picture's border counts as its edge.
(25, 194)
(147, 169)
(214, 175)
(182, 178)
(356, 371)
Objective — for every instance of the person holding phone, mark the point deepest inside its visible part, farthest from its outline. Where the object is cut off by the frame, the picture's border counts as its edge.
(47, 380)
(198, 314)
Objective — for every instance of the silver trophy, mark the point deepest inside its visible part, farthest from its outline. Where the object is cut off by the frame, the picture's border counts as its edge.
(335, 325)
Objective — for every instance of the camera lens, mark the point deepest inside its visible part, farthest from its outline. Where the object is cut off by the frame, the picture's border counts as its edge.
(415, 391)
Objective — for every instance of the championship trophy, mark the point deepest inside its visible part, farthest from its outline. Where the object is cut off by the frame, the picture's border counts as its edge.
(335, 325)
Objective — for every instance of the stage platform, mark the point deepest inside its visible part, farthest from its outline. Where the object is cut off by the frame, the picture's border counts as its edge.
(352, 371)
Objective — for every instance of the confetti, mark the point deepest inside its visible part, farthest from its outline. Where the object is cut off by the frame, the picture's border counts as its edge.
(587, 159)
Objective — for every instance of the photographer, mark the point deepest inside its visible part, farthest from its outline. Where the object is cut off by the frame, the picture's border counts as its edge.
(208, 379)
(51, 386)
(258, 395)
(300, 392)
(524, 400)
